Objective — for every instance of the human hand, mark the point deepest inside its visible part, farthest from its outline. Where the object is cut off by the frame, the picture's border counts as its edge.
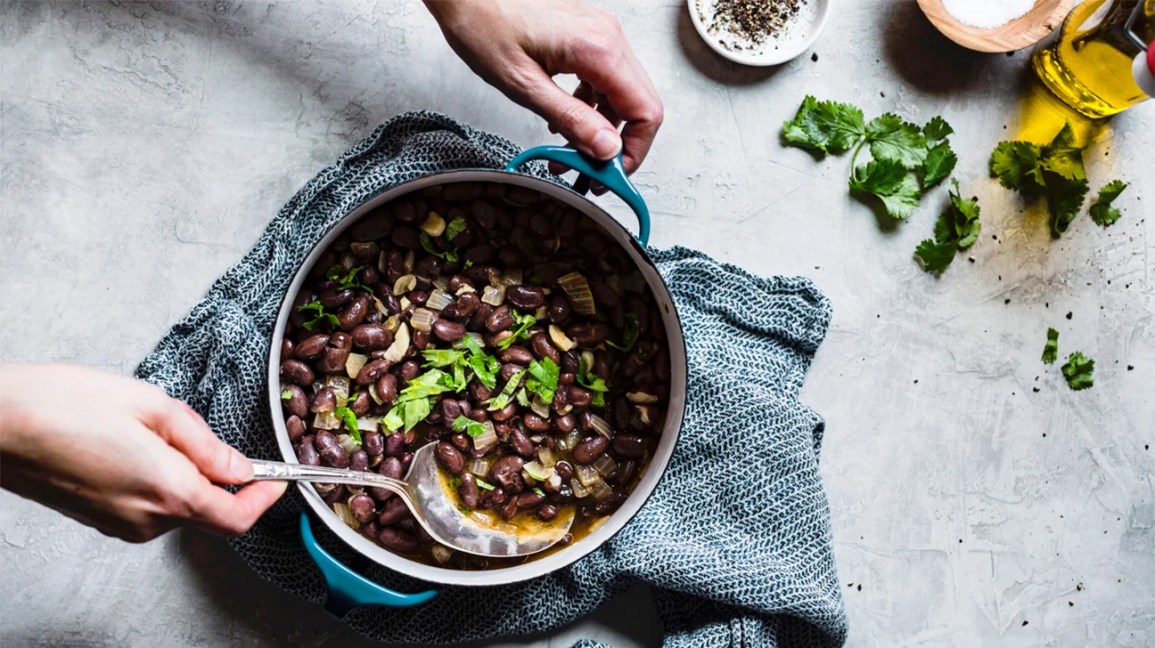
(517, 46)
(120, 455)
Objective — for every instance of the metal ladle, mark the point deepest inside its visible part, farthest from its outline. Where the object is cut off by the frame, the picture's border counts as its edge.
(435, 510)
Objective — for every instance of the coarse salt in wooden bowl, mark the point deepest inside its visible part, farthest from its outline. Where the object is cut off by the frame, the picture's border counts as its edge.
(1016, 34)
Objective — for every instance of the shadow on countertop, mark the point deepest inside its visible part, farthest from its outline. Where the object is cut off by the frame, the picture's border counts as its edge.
(710, 64)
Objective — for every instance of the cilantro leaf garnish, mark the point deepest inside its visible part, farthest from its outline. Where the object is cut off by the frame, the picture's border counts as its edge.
(1051, 347)
(826, 126)
(469, 426)
(1054, 171)
(349, 419)
(320, 316)
(957, 228)
(1101, 210)
(893, 139)
(455, 227)
(427, 243)
(936, 130)
(524, 322)
(286, 394)
(1078, 371)
(629, 336)
(543, 381)
(597, 385)
(889, 182)
(484, 485)
(940, 161)
(502, 399)
(347, 280)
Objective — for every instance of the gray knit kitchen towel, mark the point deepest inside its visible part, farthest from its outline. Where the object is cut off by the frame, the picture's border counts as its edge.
(736, 539)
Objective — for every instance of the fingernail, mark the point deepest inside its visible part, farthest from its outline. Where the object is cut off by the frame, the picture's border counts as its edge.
(606, 144)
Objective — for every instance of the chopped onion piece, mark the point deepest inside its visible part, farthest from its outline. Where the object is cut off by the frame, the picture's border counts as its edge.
(326, 421)
(374, 395)
(438, 299)
(404, 303)
(606, 466)
(588, 359)
(541, 313)
(346, 514)
(487, 440)
(601, 490)
(348, 261)
(537, 471)
(422, 319)
(587, 475)
(479, 467)
(441, 553)
(433, 225)
(441, 283)
(396, 351)
(601, 427)
(407, 263)
(644, 414)
(554, 482)
(348, 443)
(465, 288)
(392, 322)
(560, 339)
(546, 457)
(404, 284)
(493, 296)
(354, 363)
(578, 290)
(539, 408)
(368, 423)
(382, 265)
(579, 490)
(570, 440)
(339, 385)
(641, 397)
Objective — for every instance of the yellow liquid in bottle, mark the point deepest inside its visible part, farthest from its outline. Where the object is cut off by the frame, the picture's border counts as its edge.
(1089, 65)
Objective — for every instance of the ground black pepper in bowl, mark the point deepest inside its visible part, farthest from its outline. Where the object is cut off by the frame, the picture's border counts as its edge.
(754, 20)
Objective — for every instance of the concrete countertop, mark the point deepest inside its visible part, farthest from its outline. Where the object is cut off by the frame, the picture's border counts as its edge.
(144, 146)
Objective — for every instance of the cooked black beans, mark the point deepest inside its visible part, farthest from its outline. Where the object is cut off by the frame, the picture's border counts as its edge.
(496, 280)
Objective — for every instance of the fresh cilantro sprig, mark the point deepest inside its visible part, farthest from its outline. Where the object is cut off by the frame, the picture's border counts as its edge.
(957, 229)
(455, 227)
(349, 419)
(1051, 347)
(629, 336)
(1101, 210)
(483, 365)
(543, 379)
(469, 426)
(347, 280)
(907, 160)
(450, 255)
(1078, 371)
(502, 399)
(520, 331)
(590, 381)
(286, 394)
(319, 316)
(1054, 171)
(416, 401)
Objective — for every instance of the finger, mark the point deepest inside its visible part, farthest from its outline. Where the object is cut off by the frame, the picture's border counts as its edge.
(219, 511)
(583, 93)
(186, 431)
(607, 110)
(574, 119)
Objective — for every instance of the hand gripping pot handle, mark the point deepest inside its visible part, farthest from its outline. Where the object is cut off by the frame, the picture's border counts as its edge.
(609, 173)
(347, 588)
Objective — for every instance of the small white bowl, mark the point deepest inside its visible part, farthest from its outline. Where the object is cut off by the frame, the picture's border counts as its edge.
(798, 36)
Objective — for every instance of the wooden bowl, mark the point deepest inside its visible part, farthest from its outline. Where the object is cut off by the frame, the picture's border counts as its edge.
(1021, 32)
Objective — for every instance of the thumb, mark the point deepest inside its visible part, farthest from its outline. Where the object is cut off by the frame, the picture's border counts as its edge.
(186, 431)
(580, 123)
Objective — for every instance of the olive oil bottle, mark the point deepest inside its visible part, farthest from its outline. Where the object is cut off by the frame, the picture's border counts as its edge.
(1090, 64)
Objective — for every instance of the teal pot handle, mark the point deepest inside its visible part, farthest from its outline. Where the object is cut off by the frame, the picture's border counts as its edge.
(347, 588)
(609, 173)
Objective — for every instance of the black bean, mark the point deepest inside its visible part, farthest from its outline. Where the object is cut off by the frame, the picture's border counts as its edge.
(386, 387)
(406, 237)
(604, 295)
(336, 353)
(399, 540)
(518, 355)
(409, 370)
(543, 348)
(529, 499)
(311, 347)
(372, 227)
(521, 443)
(372, 373)
(360, 404)
(480, 393)
(296, 404)
(323, 401)
(505, 413)
(405, 212)
(418, 297)
(391, 467)
(370, 337)
(460, 441)
(559, 309)
(564, 495)
(448, 330)
(500, 320)
(428, 267)
(565, 423)
(297, 372)
(373, 443)
(579, 396)
(307, 452)
(587, 334)
(483, 213)
(395, 445)
(362, 507)
(420, 339)
(465, 305)
(393, 511)
(468, 491)
(450, 410)
(330, 449)
(610, 504)
(506, 472)
(480, 317)
(509, 369)
(590, 449)
(509, 509)
(564, 469)
(625, 473)
(335, 298)
(450, 458)
(546, 512)
(355, 312)
(479, 254)
(569, 363)
(527, 298)
(296, 428)
(534, 423)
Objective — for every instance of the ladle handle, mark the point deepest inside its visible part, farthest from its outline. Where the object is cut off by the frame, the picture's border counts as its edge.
(278, 471)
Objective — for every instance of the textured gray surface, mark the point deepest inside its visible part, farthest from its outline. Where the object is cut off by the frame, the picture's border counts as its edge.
(143, 147)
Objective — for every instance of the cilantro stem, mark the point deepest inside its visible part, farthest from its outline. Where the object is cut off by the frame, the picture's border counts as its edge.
(854, 156)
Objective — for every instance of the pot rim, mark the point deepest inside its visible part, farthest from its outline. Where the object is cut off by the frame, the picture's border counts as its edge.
(651, 474)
